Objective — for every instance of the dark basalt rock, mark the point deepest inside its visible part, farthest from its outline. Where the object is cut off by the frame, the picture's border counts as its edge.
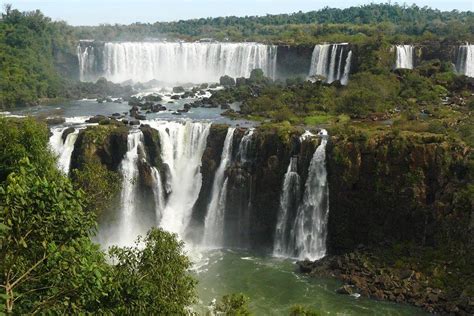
(55, 120)
(66, 132)
(96, 119)
(178, 89)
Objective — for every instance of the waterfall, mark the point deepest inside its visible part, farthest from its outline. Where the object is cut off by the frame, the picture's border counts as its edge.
(63, 149)
(182, 144)
(214, 221)
(174, 62)
(245, 143)
(288, 201)
(347, 69)
(331, 61)
(128, 227)
(158, 194)
(404, 57)
(311, 218)
(465, 60)
(303, 235)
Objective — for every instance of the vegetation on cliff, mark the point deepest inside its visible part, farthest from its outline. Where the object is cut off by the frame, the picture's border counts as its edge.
(48, 261)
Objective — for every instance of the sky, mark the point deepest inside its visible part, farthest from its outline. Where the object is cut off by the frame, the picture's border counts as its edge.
(94, 12)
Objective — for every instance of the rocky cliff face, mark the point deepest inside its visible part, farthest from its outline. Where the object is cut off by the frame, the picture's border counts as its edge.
(105, 143)
(396, 188)
(384, 187)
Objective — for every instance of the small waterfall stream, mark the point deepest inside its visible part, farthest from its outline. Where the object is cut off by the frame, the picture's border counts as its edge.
(288, 201)
(331, 61)
(245, 144)
(63, 148)
(465, 60)
(214, 221)
(404, 59)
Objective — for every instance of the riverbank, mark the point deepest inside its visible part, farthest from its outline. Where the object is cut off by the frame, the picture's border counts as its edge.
(439, 281)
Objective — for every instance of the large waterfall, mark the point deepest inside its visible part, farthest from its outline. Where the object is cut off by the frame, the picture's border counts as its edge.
(465, 60)
(182, 146)
(63, 147)
(404, 57)
(214, 222)
(303, 235)
(331, 61)
(174, 62)
(288, 202)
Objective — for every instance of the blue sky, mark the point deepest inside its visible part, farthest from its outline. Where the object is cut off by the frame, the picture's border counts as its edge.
(93, 12)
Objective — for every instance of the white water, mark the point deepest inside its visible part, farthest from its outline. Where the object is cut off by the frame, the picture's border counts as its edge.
(182, 145)
(128, 227)
(465, 61)
(290, 192)
(63, 150)
(159, 195)
(214, 221)
(327, 61)
(87, 63)
(175, 62)
(244, 146)
(310, 229)
(404, 57)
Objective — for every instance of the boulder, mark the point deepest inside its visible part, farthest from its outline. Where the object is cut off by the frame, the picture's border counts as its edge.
(178, 89)
(66, 132)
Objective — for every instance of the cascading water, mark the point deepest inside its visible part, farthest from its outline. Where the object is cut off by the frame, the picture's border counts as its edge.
(303, 235)
(465, 60)
(214, 221)
(288, 202)
(158, 194)
(128, 226)
(174, 62)
(245, 143)
(182, 147)
(405, 57)
(63, 148)
(331, 61)
(309, 229)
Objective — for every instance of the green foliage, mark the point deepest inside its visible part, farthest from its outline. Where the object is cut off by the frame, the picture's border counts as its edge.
(152, 281)
(235, 304)
(21, 138)
(27, 70)
(368, 93)
(352, 24)
(48, 261)
(99, 184)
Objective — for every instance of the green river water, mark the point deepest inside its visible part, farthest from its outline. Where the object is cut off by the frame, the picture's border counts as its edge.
(273, 286)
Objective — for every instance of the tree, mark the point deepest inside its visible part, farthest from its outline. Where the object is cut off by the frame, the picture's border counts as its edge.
(48, 261)
(154, 280)
(99, 184)
(235, 304)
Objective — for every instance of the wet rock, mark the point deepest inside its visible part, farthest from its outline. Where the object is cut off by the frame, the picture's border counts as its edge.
(96, 119)
(55, 120)
(346, 290)
(178, 89)
(66, 132)
(176, 97)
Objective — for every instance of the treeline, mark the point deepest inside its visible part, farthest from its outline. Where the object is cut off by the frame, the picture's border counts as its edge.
(310, 27)
(28, 41)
